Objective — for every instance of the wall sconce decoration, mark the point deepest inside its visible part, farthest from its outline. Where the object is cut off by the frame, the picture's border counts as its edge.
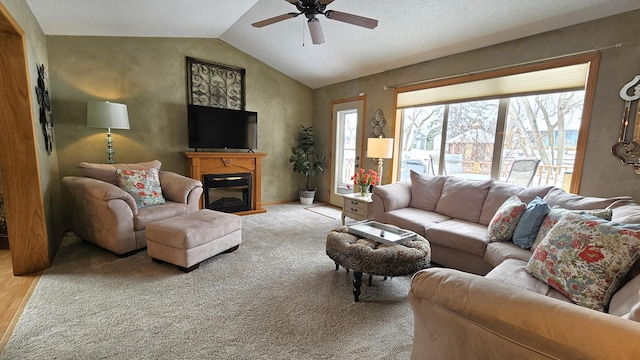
(46, 120)
(378, 123)
(629, 151)
(104, 114)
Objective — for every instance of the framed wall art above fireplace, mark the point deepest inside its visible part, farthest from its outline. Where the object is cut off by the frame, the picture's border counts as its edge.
(215, 85)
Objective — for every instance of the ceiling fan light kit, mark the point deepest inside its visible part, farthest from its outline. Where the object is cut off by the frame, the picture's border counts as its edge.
(311, 8)
(317, 37)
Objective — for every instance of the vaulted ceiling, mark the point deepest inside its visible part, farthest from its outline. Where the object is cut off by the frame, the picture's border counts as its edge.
(408, 32)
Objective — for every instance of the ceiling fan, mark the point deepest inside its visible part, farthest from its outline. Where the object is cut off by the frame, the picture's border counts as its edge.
(311, 8)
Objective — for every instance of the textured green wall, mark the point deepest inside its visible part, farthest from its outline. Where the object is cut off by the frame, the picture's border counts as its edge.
(149, 76)
(603, 175)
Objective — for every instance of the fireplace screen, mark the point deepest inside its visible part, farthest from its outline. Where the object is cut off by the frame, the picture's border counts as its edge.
(227, 192)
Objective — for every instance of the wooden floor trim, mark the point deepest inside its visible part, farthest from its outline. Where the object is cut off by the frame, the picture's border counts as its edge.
(16, 292)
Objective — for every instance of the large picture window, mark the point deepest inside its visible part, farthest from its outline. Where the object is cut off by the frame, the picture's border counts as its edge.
(500, 126)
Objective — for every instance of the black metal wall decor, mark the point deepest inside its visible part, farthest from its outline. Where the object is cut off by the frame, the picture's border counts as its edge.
(377, 124)
(215, 85)
(46, 120)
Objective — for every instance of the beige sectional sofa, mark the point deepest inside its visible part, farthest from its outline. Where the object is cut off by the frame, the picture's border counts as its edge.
(458, 315)
(484, 304)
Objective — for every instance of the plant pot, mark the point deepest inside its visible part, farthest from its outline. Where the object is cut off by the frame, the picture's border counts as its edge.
(306, 197)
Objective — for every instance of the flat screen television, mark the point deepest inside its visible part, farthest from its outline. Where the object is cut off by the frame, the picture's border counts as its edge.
(217, 128)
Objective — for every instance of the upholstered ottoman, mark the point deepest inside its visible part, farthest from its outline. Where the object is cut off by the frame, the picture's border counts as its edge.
(367, 256)
(187, 240)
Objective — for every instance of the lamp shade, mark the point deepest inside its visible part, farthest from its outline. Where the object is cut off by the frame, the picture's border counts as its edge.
(381, 148)
(104, 114)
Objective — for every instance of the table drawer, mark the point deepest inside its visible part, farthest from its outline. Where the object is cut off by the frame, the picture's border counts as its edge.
(358, 215)
(354, 206)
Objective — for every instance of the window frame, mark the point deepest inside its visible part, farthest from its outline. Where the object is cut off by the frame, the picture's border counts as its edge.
(593, 59)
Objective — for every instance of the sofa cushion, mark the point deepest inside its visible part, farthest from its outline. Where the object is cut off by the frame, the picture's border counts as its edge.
(149, 214)
(506, 219)
(497, 252)
(460, 235)
(107, 172)
(501, 191)
(462, 198)
(527, 229)
(625, 211)
(425, 190)
(412, 219)
(514, 272)
(625, 298)
(560, 198)
(498, 193)
(143, 185)
(556, 213)
(585, 258)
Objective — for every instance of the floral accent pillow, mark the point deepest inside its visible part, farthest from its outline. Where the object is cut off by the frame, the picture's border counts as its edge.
(585, 258)
(556, 213)
(505, 220)
(143, 185)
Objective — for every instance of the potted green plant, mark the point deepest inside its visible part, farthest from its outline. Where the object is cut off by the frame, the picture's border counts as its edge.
(306, 162)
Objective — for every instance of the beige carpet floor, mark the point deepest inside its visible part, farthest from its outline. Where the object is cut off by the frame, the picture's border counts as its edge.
(277, 297)
(329, 211)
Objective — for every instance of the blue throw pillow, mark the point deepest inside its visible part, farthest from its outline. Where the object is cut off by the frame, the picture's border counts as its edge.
(527, 229)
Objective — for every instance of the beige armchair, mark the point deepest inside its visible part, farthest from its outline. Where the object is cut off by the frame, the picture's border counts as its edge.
(106, 215)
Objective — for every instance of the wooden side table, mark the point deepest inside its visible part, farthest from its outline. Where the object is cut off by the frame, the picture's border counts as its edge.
(357, 207)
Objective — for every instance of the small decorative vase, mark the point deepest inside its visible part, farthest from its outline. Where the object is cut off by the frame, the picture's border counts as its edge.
(364, 190)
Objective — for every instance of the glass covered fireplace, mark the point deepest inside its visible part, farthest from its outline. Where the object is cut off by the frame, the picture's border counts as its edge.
(227, 192)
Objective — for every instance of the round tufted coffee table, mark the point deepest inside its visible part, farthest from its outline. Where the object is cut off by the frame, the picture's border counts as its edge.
(367, 256)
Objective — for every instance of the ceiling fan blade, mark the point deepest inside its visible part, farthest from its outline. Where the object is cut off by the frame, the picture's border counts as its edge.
(274, 19)
(293, 1)
(326, 2)
(316, 31)
(351, 19)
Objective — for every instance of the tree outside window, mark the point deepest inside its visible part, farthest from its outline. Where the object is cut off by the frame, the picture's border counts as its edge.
(542, 126)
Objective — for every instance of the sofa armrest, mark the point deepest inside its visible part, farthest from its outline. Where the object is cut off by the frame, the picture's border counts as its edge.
(101, 213)
(459, 315)
(179, 188)
(391, 196)
(90, 189)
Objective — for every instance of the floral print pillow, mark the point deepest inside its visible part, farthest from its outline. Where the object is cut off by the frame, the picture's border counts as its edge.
(143, 185)
(556, 213)
(505, 220)
(585, 258)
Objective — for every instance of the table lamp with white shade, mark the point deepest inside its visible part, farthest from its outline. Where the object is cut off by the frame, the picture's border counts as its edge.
(380, 148)
(104, 114)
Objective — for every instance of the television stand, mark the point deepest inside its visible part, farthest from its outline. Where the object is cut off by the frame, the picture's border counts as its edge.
(202, 163)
